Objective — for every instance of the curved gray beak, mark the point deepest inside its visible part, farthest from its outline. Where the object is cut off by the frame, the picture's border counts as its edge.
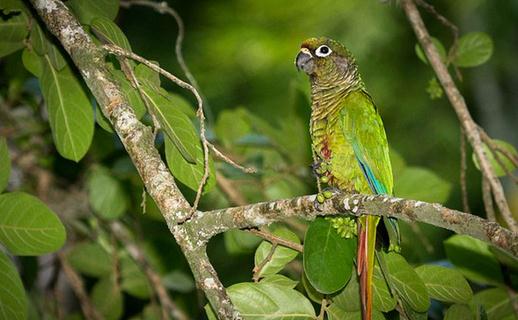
(304, 61)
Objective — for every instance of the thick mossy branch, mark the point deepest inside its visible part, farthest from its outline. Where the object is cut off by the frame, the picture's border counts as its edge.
(208, 224)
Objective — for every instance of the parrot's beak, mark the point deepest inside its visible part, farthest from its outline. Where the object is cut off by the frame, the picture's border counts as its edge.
(304, 61)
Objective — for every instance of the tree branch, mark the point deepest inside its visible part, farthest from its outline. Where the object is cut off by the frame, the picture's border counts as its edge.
(459, 105)
(208, 224)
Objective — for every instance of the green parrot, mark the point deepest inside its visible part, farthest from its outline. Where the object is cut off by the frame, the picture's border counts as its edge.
(348, 140)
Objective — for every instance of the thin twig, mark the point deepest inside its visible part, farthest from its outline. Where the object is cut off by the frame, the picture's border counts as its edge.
(118, 51)
(77, 285)
(234, 196)
(488, 200)
(463, 168)
(459, 105)
(230, 161)
(169, 308)
(277, 240)
(257, 269)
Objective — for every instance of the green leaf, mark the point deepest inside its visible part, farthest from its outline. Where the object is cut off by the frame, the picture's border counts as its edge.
(327, 258)
(87, 10)
(459, 312)
(438, 45)
(28, 227)
(70, 112)
(13, 301)
(499, 170)
(421, 184)
(39, 41)
(179, 102)
(55, 57)
(107, 298)
(175, 123)
(148, 76)
(445, 284)
(280, 280)
(267, 301)
(91, 259)
(106, 29)
(473, 49)
(334, 312)
(382, 298)
(495, 301)
(12, 33)
(134, 281)
(187, 173)
(5, 164)
(407, 283)
(238, 241)
(231, 126)
(210, 313)
(281, 256)
(101, 120)
(132, 94)
(178, 280)
(473, 259)
(106, 195)
(32, 62)
(10, 6)
(311, 292)
(349, 298)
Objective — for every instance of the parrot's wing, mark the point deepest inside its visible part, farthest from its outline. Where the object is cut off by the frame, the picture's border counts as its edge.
(363, 129)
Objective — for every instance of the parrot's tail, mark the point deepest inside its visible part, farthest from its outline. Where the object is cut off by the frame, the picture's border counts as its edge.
(365, 261)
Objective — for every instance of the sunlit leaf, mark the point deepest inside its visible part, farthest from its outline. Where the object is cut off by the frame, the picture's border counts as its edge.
(5, 164)
(473, 49)
(382, 298)
(281, 256)
(266, 301)
(87, 10)
(334, 312)
(147, 76)
(91, 259)
(438, 45)
(459, 312)
(280, 280)
(445, 284)
(13, 301)
(473, 259)
(28, 226)
(32, 62)
(106, 29)
(70, 112)
(496, 303)
(407, 283)
(328, 258)
(107, 298)
(106, 195)
(187, 173)
(506, 164)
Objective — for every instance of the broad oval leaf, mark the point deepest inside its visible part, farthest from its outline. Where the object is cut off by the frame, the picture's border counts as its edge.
(27, 226)
(496, 303)
(311, 292)
(473, 259)
(148, 76)
(178, 280)
(438, 45)
(473, 49)
(106, 29)
(281, 256)
(87, 10)
(327, 258)
(445, 284)
(268, 301)
(70, 112)
(5, 164)
(422, 184)
(280, 280)
(32, 62)
(239, 242)
(501, 165)
(38, 39)
(12, 32)
(106, 195)
(334, 312)
(134, 281)
(91, 259)
(349, 298)
(13, 301)
(175, 123)
(407, 283)
(187, 173)
(459, 312)
(131, 94)
(107, 298)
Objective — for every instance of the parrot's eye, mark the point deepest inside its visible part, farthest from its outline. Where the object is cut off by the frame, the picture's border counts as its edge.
(323, 51)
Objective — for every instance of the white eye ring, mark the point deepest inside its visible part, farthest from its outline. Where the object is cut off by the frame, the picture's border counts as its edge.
(323, 51)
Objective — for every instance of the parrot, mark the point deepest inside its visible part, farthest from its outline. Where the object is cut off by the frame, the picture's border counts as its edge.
(349, 143)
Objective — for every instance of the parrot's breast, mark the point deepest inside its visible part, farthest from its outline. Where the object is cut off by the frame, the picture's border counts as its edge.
(337, 155)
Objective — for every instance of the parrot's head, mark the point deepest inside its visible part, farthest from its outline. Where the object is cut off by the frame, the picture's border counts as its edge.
(326, 61)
